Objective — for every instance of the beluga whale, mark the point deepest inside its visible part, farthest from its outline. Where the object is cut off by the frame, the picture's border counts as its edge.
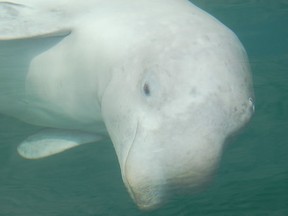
(166, 81)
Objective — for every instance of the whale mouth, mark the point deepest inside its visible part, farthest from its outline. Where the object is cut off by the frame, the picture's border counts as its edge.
(147, 193)
(128, 186)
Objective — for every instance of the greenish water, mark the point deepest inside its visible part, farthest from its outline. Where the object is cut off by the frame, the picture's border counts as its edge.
(253, 175)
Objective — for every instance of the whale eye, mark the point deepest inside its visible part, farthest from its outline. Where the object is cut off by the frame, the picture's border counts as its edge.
(146, 89)
(150, 85)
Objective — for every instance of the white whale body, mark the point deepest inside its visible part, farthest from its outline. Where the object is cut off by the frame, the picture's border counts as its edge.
(164, 79)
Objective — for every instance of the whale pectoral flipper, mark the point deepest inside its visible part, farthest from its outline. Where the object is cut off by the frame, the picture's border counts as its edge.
(52, 141)
(25, 32)
(15, 58)
(19, 21)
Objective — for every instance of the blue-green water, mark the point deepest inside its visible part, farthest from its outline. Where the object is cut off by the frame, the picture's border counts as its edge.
(253, 175)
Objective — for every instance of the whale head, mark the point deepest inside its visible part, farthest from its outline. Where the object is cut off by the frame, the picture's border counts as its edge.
(170, 107)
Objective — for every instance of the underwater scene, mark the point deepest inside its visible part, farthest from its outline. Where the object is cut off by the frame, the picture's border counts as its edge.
(252, 178)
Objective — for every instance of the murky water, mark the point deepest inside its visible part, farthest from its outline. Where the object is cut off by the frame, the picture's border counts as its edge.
(253, 176)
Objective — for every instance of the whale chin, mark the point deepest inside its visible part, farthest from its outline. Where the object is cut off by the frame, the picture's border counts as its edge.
(149, 197)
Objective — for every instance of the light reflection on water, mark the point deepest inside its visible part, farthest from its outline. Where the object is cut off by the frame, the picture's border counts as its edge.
(252, 179)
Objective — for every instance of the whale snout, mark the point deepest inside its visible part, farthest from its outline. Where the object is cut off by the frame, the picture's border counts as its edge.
(146, 184)
(148, 197)
(154, 179)
(151, 194)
